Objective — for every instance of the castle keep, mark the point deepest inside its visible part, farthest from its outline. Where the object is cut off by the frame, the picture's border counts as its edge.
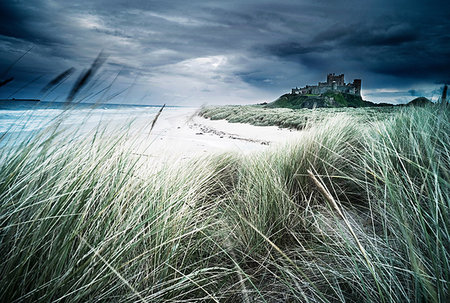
(334, 83)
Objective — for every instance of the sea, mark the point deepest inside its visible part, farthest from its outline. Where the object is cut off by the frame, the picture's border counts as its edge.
(20, 119)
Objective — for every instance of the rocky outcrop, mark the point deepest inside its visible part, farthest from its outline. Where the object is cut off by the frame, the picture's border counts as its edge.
(329, 99)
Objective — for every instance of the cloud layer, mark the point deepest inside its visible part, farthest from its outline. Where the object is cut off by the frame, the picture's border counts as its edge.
(195, 52)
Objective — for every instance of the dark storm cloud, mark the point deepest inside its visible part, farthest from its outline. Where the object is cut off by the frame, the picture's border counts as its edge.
(12, 17)
(288, 49)
(390, 46)
(19, 21)
(233, 47)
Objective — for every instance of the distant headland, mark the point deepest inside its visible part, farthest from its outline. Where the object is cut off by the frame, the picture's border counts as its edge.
(332, 93)
(27, 100)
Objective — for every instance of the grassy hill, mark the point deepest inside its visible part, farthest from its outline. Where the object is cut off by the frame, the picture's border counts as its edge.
(328, 99)
(420, 101)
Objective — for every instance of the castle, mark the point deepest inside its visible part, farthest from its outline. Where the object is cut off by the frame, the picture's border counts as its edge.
(334, 83)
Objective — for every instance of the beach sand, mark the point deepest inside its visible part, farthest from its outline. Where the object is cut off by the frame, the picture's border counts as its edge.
(180, 134)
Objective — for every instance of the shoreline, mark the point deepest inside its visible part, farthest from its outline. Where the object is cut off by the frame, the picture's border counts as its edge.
(184, 135)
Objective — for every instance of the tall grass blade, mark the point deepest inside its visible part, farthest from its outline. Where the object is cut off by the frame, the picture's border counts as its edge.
(86, 76)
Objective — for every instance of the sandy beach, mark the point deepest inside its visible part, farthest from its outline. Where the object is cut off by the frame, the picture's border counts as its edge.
(180, 134)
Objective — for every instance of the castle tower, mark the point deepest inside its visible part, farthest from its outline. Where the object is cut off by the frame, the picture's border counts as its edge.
(357, 85)
(330, 78)
(444, 95)
(339, 79)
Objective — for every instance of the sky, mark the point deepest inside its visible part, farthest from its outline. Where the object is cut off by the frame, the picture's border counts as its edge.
(223, 52)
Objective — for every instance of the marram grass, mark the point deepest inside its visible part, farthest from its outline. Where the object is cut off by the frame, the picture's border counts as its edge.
(290, 118)
(356, 210)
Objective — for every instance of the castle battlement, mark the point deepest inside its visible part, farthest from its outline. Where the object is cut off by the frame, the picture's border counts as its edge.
(334, 83)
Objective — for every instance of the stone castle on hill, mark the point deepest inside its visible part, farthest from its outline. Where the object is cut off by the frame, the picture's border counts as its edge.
(334, 83)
